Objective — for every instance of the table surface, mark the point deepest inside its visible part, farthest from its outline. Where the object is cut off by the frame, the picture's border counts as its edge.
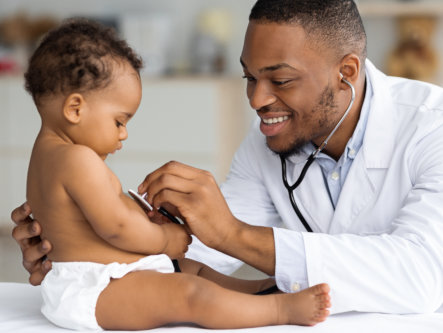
(20, 313)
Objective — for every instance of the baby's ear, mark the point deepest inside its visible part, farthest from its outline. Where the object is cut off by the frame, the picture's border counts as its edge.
(73, 108)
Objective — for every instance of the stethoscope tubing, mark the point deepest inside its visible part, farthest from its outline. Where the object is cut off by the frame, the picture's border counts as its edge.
(291, 189)
(311, 158)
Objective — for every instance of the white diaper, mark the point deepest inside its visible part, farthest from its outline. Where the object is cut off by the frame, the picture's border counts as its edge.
(71, 289)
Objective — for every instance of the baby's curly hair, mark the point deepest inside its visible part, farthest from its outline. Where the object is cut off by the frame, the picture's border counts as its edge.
(77, 56)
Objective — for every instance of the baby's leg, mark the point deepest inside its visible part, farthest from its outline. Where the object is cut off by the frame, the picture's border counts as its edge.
(146, 299)
(245, 286)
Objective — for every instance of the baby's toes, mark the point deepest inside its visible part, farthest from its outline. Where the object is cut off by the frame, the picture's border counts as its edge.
(321, 315)
(322, 288)
(323, 301)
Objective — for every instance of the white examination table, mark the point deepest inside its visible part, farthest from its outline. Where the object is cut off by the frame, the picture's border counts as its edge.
(20, 313)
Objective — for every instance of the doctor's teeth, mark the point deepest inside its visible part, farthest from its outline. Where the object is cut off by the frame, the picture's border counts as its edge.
(275, 120)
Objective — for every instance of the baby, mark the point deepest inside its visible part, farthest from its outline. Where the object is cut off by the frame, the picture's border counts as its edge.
(112, 266)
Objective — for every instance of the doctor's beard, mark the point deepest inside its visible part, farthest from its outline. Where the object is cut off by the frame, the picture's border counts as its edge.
(326, 112)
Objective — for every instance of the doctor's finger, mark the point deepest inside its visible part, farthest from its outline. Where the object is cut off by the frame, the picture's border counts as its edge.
(177, 199)
(170, 182)
(174, 168)
(35, 253)
(25, 234)
(36, 278)
(39, 272)
(188, 230)
(20, 215)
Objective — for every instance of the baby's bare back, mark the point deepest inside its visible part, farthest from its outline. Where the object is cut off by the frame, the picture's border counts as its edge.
(63, 223)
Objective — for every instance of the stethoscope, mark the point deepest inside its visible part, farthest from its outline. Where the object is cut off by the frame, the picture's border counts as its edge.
(311, 159)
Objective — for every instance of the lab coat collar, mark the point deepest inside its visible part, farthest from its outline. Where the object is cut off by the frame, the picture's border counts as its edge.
(376, 152)
(378, 142)
(379, 127)
(302, 157)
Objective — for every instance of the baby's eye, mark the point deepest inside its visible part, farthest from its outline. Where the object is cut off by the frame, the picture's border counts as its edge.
(119, 124)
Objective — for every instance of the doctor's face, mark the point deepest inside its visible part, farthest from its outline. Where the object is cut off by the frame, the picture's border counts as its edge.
(289, 85)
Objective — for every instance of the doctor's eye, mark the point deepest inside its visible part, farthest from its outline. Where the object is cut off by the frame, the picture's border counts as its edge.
(249, 78)
(280, 83)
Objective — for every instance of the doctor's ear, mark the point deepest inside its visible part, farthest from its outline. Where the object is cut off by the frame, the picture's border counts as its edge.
(350, 68)
(73, 108)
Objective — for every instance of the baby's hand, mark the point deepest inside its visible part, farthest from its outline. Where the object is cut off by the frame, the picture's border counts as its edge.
(177, 240)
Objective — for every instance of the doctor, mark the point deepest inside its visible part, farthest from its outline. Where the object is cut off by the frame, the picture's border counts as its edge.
(367, 218)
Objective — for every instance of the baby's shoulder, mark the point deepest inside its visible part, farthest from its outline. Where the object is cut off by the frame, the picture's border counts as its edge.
(78, 151)
(79, 157)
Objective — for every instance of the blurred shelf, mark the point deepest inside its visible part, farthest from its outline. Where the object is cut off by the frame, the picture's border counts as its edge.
(399, 8)
(222, 77)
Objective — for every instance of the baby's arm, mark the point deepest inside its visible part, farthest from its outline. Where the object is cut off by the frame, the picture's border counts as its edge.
(97, 193)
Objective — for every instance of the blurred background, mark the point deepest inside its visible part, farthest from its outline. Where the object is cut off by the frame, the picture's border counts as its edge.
(194, 107)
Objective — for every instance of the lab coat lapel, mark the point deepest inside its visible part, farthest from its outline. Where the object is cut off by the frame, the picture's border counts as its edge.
(357, 192)
(382, 123)
(363, 178)
(312, 197)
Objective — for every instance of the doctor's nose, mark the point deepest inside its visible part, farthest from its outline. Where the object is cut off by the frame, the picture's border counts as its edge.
(260, 96)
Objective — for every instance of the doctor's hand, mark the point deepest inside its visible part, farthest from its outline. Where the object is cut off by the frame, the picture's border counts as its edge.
(27, 235)
(158, 218)
(197, 199)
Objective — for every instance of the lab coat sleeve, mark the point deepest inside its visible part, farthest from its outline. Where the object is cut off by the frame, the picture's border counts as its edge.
(244, 190)
(400, 271)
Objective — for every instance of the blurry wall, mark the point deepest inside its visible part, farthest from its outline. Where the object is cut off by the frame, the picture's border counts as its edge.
(206, 107)
(197, 115)
(183, 15)
(384, 32)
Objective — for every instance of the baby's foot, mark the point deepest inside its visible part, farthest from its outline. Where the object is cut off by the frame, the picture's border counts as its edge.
(307, 307)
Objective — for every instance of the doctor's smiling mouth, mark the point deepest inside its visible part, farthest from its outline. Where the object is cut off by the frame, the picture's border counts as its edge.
(276, 124)
(273, 124)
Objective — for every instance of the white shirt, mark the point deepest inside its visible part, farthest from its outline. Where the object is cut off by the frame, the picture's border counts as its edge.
(381, 248)
(335, 172)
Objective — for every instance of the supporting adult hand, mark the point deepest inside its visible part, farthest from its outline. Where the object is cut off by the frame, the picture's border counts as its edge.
(27, 235)
(197, 198)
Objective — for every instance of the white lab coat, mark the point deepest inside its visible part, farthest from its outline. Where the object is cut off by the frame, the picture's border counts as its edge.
(381, 249)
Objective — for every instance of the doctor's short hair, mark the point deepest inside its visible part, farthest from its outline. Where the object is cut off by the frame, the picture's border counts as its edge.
(77, 56)
(336, 24)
